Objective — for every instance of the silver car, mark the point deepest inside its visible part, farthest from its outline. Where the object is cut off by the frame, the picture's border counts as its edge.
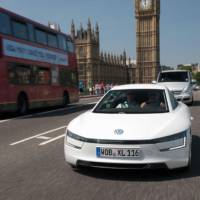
(179, 82)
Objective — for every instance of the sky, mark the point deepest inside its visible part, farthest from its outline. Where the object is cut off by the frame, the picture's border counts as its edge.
(179, 24)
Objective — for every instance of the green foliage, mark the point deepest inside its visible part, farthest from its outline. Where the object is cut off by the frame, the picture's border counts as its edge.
(197, 77)
(164, 67)
(193, 75)
(188, 68)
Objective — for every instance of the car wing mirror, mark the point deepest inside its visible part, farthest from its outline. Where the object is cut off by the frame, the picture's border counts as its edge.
(153, 82)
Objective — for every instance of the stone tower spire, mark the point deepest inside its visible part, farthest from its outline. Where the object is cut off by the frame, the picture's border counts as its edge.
(89, 29)
(97, 32)
(124, 57)
(80, 34)
(73, 30)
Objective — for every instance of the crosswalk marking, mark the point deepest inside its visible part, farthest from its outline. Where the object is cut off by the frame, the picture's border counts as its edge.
(40, 134)
(44, 137)
(51, 140)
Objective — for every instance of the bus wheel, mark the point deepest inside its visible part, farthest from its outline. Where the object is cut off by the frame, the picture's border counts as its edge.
(22, 105)
(65, 99)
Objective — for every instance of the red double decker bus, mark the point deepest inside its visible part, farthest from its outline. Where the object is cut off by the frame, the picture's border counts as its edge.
(37, 65)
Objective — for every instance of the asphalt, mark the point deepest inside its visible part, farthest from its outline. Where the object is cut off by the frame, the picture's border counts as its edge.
(31, 169)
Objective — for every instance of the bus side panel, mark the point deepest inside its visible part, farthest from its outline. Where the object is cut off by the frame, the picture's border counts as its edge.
(1, 47)
(57, 94)
(6, 104)
(16, 90)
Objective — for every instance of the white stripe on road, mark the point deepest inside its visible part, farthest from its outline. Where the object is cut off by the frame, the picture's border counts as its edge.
(44, 137)
(35, 136)
(52, 140)
(48, 112)
(36, 114)
(2, 121)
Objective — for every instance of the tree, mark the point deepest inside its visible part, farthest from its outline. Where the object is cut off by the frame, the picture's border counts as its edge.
(185, 67)
(197, 77)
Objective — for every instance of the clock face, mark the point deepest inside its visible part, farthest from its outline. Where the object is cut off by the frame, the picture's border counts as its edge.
(145, 4)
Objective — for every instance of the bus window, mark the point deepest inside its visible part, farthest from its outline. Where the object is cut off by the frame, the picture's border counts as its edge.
(52, 40)
(64, 77)
(5, 24)
(68, 78)
(20, 30)
(41, 36)
(19, 74)
(31, 33)
(44, 77)
(54, 75)
(74, 79)
(62, 42)
(71, 47)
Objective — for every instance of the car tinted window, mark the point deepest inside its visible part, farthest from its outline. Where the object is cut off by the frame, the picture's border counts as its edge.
(133, 101)
(173, 77)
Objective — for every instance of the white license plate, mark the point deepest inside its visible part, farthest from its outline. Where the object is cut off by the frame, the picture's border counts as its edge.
(118, 153)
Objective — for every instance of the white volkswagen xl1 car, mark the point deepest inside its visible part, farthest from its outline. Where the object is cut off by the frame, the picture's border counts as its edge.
(133, 126)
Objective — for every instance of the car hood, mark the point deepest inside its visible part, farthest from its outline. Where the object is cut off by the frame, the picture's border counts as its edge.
(175, 86)
(135, 126)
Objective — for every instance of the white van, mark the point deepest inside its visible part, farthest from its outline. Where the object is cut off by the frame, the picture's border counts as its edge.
(179, 82)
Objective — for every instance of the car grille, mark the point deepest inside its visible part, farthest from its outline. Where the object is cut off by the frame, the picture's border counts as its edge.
(81, 163)
(177, 92)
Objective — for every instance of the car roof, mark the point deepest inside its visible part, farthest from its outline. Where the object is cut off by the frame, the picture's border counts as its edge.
(179, 70)
(139, 86)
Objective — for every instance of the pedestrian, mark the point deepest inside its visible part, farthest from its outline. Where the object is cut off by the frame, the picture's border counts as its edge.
(90, 90)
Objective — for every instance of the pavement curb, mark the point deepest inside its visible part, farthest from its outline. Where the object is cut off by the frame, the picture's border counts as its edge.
(89, 96)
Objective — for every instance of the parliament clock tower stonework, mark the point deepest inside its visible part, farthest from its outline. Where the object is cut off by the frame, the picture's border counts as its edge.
(147, 13)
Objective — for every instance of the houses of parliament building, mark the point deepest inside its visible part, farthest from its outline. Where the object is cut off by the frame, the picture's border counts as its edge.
(99, 67)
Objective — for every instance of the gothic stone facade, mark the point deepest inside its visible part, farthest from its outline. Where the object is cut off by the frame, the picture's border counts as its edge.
(95, 67)
(147, 13)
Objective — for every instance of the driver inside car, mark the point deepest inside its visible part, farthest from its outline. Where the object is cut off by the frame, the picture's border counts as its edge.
(153, 101)
(130, 102)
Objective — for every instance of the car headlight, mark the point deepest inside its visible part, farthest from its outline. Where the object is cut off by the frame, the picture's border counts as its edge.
(173, 142)
(74, 140)
(188, 89)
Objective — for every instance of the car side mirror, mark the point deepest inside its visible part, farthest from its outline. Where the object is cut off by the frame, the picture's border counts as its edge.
(191, 118)
(153, 82)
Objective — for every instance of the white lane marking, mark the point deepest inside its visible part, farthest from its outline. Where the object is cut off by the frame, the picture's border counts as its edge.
(35, 136)
(47, 112)
(44, 137)
(52, 140)
(2, 121)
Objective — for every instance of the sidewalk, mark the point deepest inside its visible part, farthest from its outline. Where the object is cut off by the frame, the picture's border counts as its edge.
(89, 96)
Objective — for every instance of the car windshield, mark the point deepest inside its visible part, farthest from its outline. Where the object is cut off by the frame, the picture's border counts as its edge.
(173, 77)
(137, 101)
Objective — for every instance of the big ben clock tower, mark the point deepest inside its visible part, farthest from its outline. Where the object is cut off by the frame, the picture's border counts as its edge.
(147, 13)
